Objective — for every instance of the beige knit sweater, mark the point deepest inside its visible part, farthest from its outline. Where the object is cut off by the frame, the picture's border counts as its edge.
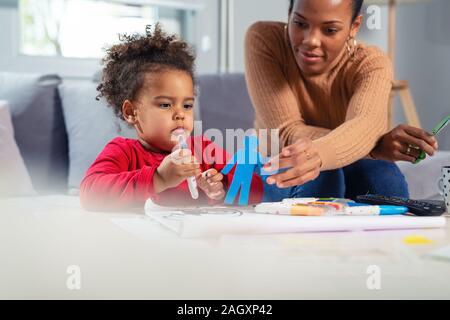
(344, 111)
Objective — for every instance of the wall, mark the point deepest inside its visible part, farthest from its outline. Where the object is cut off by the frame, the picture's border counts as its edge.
(245, 14)
(423, 58)
(207, 26)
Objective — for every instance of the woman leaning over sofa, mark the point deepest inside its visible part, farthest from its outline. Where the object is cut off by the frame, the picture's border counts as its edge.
(328, 96)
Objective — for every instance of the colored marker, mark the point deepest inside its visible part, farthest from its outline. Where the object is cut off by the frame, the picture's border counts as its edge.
(297, 209)
(382, 210)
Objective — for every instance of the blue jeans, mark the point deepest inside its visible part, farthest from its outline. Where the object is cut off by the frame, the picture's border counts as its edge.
(359, 178)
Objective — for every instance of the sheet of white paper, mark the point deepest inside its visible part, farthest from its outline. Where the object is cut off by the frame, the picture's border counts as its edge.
(141, 227)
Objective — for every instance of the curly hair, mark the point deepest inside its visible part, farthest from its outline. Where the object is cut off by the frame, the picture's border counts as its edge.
(126, 64)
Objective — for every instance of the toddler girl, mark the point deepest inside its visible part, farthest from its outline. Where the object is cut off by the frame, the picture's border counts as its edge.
(149, 82)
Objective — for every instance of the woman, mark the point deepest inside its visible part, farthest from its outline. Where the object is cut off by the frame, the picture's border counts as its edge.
(328, 96)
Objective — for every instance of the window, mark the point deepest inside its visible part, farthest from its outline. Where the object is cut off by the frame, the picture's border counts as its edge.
(83, 28)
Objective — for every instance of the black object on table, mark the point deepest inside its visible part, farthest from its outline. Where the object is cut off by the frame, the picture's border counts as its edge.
(416, 207)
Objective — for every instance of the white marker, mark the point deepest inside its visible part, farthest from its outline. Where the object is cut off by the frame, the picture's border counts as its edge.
(192, 183)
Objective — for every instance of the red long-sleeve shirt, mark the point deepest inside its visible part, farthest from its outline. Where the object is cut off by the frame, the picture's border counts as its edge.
(122, 176)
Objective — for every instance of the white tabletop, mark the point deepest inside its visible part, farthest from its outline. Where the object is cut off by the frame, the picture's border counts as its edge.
(41, 237)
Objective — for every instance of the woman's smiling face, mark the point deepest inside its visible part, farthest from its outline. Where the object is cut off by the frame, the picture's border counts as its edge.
(318, 32)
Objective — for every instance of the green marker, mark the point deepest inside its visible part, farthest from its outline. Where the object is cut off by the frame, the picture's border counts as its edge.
(441, 125)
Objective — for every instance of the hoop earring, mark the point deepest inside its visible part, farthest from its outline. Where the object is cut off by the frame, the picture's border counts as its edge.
(351, 49)
(286, 35)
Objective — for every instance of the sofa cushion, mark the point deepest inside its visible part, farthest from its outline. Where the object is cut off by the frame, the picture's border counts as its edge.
(423, 177)
(38, 126)
(90, 126)
(224, 102)
(14, 177)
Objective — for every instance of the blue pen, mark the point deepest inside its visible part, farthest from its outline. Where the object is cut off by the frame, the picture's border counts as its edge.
(355, 208)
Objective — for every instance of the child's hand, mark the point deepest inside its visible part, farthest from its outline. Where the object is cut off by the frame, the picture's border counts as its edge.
(174, 169)
(211, 183)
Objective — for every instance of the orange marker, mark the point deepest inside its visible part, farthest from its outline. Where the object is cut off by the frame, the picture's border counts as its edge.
(296, 209)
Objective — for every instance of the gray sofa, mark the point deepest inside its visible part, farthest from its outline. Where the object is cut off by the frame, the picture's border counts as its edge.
(60, 127)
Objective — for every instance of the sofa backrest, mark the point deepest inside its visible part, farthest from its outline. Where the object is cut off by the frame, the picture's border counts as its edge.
(39, 126)
(224, 102)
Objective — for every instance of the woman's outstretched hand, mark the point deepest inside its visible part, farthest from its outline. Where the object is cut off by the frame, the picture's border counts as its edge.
(303, 161)
(404, 143)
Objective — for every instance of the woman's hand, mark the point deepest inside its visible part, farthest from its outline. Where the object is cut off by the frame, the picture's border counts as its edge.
(404, 143)
(211, 183)
(303, 161)
(174, 169)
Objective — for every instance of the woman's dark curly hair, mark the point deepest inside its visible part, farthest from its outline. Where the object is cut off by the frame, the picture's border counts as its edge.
(126, 64)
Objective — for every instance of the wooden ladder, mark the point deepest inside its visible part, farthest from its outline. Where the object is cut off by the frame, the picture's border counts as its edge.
(401, 87)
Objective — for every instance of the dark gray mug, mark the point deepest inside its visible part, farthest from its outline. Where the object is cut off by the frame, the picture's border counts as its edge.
(444, 186)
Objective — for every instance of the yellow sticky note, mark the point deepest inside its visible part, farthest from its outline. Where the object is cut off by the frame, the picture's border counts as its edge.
(413, 239)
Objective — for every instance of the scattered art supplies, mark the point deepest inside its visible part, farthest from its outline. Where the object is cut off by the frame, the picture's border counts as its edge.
(326, 207)
(192, 222)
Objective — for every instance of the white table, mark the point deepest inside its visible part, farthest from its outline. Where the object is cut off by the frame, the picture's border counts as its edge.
(40, 237)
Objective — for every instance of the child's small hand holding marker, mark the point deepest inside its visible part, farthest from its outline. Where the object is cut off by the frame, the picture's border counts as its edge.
(181, 165)
(174, 169)
(211, 183)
